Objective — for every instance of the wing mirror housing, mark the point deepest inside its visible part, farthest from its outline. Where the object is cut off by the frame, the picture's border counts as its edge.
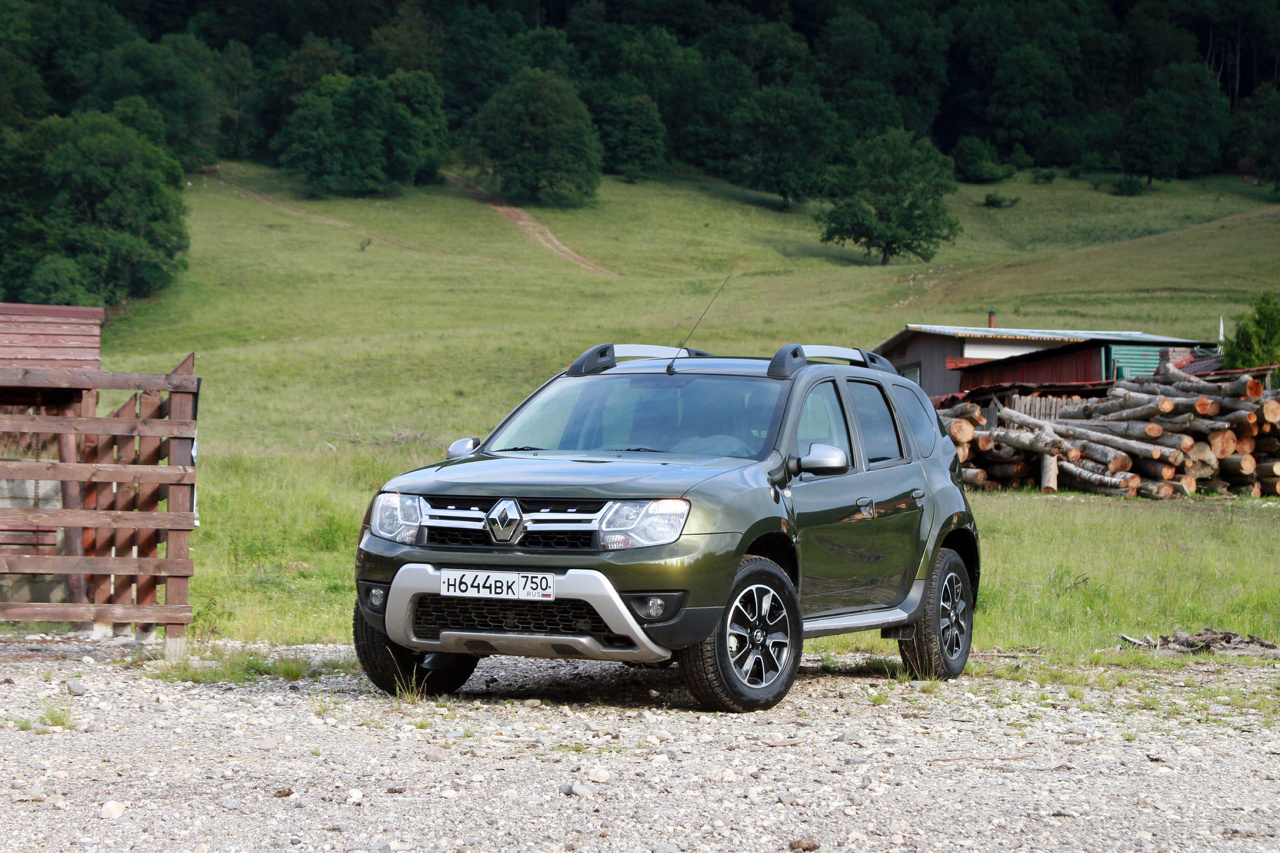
(462, 447)
(821, 459)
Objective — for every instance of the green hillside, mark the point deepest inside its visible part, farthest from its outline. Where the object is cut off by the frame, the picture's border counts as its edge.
(342, 341)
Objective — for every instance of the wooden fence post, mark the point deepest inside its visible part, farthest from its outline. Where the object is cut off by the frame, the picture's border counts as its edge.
(181, 408)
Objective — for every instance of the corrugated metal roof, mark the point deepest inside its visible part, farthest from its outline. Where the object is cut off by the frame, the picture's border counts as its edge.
(1047, 335)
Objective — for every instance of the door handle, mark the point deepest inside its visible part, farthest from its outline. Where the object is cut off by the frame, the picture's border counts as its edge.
(918, 494)
(865, 506)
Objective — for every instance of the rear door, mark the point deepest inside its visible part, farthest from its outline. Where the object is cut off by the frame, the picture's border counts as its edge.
(893, 478)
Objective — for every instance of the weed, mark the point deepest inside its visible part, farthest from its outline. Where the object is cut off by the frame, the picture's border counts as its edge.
(1130, 736)
(1075, 693)
(23, 724)
(878, 698)
(290, 668)
(57, 712)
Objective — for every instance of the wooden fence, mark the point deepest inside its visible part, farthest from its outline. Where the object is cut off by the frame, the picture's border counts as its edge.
(128, 483)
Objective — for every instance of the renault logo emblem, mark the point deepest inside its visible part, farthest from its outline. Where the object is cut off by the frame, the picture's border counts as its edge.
(505, 522)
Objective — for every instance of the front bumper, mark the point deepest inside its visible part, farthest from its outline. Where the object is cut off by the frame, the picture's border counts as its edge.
(417, 579)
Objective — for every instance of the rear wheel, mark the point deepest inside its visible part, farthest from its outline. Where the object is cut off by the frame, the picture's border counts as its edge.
(393, 669)
(749, 662)
(940, 647)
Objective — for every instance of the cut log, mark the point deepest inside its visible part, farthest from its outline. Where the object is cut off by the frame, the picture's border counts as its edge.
(1269, 485)
(962, 410)
(1185, 486)
(1247, 490)
(1106, 490)
(1119, 400)
(984, 442)
(1159, 390)
(1176, 440)
(1201, 405)
(1232, 404)
(1269, 444)
(1142, 413)
(963, 451)
(1048, 474)
(1034, 442)
(1223, 442)
(1159, 491)
(1243, 385)
(1170, 375)
(1133, 448)
(1239, 417)
(1008, 470)
(1238, 465)
(973, 476)
(1270, 411)
(1155, 469)
(1214, 486)
(1084, 475)
(960, 430)
(1245, 443)
(991, 486)
(1138, 431)
(1267, 467)
(1114, 460)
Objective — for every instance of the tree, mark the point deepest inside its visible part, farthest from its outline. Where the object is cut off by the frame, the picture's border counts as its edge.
(890, 198)
(535, 139)
(239, 123)
(785, 139)
(1264, 134)
(175, 77)
(1032, 94)
(1152, 143)
(22, 94)
(1256, 341)
(362, 135)
(93, 213)
(412, 41)
(633, 138)
(976, 162)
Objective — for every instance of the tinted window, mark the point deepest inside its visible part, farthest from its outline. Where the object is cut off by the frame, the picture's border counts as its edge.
(822, 421)
(922, 422)
(879, 435)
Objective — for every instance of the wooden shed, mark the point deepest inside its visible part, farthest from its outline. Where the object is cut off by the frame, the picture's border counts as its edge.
(114, 495)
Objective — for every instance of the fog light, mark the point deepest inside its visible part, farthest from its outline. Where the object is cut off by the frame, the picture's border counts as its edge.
(377, 597)
(653, 608)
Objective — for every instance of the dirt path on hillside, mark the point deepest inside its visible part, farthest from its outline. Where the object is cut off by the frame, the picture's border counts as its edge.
(279, 204)
(525, 222)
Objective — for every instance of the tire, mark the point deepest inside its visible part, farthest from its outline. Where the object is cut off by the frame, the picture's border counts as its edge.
(940, 648)
(750, 661)
(393, 669)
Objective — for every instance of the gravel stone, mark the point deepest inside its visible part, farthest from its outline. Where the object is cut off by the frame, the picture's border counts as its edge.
(978, 764)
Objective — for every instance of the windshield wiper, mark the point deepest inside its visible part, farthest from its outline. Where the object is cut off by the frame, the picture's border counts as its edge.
(642, 450)
(517, 449)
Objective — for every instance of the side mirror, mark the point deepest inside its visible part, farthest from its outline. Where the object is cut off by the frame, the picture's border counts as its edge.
(822, 459)
(462, 447)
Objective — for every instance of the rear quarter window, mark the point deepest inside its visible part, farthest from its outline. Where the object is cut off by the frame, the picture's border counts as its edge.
(921, 420)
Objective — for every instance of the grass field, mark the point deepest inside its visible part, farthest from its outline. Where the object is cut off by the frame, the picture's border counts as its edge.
(344, 341)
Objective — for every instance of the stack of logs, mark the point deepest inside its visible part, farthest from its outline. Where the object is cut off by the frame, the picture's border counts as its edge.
(1165, 435)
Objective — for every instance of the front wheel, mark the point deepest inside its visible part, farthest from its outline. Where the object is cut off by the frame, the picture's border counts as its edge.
(393, 669)
(940, 647)
(749, 662)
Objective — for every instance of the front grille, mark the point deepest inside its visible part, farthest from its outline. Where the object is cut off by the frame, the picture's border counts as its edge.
(554, 524)
(566, 540)
(564, 617)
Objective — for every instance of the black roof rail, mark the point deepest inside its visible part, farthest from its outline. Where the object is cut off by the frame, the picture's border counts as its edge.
(600, 358)
(792, 357)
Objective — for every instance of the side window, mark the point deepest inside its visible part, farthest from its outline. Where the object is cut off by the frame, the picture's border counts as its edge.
(922, 422)
(822, 421)
(879, 435)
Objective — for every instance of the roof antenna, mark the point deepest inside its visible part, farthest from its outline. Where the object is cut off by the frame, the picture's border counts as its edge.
(671, 367)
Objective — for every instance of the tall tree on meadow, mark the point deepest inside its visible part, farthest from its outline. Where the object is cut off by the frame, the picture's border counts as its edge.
(535, 141)
(633, 138)
(1152, 144)
(411, 41)
(1256, 340)
(890, 199)
(1263, 141)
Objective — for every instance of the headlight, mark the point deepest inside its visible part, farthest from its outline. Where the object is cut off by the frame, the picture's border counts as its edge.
(635, 524)
(396, 517)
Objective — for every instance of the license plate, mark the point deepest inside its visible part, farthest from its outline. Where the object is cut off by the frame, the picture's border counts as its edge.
(525, 586)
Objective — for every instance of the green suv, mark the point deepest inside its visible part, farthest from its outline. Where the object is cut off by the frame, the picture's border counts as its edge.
(653, 504)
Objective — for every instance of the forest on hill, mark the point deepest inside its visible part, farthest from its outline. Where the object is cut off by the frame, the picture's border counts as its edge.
(104, 104)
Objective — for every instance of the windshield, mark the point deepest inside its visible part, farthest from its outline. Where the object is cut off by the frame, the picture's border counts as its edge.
(695, 414)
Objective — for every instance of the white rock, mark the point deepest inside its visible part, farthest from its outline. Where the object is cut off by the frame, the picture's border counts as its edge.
(598, 775)
(112, 810)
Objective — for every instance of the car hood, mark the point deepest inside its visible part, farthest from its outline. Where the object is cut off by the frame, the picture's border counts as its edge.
(511, 475)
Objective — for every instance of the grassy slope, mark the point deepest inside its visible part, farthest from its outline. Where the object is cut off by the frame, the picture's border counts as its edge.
(343, 341)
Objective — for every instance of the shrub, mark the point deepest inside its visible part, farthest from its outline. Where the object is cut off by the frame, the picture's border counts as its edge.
(977, 163)
(1044, 176)
(999, 201)
(1128, 185)
(1020, 158)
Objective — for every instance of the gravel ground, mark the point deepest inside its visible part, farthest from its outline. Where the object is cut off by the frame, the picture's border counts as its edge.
(564, 756)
